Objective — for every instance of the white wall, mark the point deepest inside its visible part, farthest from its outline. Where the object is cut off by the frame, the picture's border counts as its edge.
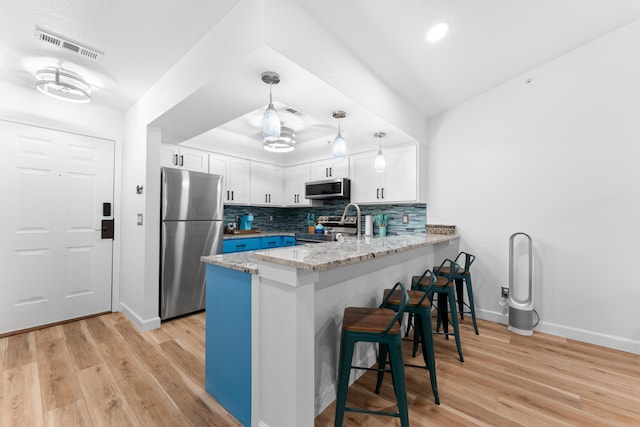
(555, 158)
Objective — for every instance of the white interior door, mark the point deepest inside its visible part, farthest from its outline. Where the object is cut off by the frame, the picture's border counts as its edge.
(54, 265)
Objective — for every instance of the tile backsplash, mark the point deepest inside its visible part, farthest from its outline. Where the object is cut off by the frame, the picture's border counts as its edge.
(295, 219)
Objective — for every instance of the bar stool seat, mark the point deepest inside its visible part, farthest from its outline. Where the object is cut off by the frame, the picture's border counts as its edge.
(461, 275)
(446, 293)
(376, 325)
(419, 308)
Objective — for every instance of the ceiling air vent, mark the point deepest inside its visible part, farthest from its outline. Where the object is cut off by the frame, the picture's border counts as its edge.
(64, 43)
(291, 110)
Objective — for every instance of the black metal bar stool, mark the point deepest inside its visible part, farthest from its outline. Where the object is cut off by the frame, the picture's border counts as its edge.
(446, 294)
(418, 308)
(460, 276)
(377, 325)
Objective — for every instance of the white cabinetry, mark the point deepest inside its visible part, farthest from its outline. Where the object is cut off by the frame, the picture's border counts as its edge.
(266, 184)
(175, 156)
(295, 178)
(398, 183)
(330, 168)
(236, 172)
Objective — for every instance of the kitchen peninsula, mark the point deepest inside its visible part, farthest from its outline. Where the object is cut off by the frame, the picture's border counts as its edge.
(274, 319)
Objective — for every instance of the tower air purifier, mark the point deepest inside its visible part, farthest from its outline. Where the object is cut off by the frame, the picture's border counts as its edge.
(521, 284)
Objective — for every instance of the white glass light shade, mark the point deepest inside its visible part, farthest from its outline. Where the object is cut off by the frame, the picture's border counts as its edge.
(63, 84)
(270, 124)
(339, 147)
(379, 163)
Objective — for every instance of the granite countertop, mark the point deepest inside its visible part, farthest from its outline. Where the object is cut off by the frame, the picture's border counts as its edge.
(241, 261)
(260, 234)
(327, 256)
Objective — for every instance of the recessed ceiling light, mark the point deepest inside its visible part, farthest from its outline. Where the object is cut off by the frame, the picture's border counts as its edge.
(437, 32)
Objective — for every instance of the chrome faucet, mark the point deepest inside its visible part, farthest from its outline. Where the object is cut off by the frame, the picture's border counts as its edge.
(344, 216)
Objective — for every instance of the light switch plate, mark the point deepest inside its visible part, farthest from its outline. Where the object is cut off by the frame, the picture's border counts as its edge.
(139, 219)
(405, 219)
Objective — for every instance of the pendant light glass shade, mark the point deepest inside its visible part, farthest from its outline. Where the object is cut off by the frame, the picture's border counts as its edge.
(270, 119)
(379, 164)
(270, 124)
(339, 146)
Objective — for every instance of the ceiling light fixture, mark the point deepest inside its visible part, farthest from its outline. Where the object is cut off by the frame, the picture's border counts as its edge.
(63, 84)
(284, 144)
(270, 119)
(339, 147)
(379, 163)
(438, 32)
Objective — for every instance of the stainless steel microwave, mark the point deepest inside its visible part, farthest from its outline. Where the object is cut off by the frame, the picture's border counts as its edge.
(329, 189)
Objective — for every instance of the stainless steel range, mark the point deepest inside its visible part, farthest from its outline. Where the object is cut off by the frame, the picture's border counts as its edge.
(332, 227)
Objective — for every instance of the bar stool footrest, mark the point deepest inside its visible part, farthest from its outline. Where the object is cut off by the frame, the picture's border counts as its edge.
(368, 411)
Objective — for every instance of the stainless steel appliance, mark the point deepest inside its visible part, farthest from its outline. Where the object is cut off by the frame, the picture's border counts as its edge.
(332, 227)
(191, 226)
(328, 189)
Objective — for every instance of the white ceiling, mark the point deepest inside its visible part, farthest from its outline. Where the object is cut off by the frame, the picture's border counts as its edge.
(491, 41)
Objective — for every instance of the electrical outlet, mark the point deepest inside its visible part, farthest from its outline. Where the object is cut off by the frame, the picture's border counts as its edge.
(405, 219)
(270, 218)
(505, 292)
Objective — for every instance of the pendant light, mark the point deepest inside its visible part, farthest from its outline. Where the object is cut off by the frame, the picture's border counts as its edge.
(339, 147)
(270, 119)
(379, 163)
(63, 84)
(284, 144)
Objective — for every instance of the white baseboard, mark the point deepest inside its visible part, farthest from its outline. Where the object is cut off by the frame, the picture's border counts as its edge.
(139, 322)
(596, 338)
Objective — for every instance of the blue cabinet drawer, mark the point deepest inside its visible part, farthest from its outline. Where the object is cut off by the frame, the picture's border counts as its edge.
(288, 241)
(238, 245)
(270, 242)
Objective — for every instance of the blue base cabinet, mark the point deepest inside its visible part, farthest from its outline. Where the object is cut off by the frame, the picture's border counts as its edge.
(228, 340)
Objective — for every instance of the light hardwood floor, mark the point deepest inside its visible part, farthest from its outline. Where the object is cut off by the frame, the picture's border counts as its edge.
(102, 372)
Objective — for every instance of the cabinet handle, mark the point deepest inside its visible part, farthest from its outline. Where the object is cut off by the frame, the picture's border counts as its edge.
(377, 193)
(175, 160)
(382, 193)
(181, 160)
(326, 172)
(227, 194)
(265, 197)
(269, 198)
(231, 194)
(331, 172)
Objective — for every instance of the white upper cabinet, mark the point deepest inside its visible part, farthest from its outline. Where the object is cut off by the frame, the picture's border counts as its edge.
(175, 156)
(330, 168)
(398, 183)
(236, 173)
(266, 184)
(295, 178)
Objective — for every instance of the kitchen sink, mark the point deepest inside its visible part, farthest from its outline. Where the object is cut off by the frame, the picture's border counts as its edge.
(315, 238)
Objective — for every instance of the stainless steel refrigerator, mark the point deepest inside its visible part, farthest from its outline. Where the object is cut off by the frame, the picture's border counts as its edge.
(191, 226)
